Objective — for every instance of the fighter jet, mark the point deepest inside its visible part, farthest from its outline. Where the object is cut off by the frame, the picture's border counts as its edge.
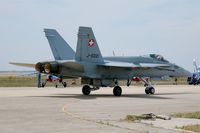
(97, 71)
(195, 79)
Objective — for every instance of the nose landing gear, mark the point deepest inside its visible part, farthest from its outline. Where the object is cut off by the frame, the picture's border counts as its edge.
(149, 88)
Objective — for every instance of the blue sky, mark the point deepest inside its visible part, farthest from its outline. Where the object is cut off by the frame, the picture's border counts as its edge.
(129, 27)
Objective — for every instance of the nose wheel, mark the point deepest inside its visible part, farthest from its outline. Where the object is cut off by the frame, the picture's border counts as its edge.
(150, 90)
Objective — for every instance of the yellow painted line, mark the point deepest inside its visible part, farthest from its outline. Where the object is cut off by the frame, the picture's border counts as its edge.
(65, 107)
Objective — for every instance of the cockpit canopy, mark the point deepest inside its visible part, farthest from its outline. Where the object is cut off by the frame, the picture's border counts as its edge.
(158, 57)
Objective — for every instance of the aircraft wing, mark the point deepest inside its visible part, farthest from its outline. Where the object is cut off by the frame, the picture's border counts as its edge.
(70, 64)
(118, 64)
(153, 65)
(23, 64)
(131, 65)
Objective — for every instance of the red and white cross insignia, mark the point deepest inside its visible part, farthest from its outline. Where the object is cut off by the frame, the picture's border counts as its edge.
(91, 42)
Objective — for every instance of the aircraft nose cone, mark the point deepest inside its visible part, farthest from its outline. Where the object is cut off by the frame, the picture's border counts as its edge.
(183, 72)
(187, 73)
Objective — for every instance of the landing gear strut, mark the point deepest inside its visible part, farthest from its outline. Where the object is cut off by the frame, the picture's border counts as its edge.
(43, 84)
(38, 80)
(64, 84)
(128, 82)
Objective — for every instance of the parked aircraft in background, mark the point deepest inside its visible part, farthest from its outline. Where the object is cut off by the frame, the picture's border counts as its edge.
(54, 79)
(96, 71)
(195, 79)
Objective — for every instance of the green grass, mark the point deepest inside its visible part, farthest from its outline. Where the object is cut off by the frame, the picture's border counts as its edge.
(193, 115)
(13, 81)
(133, 118)
(193, 128)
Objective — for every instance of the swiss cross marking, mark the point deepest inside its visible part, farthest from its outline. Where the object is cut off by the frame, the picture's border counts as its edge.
(91, 42)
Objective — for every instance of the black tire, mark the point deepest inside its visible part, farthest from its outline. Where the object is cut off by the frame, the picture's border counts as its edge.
(65, 84)
(151, 90)
(147, 90)
(86, 90)
(190, 83)
(56, 86)
(117, 91)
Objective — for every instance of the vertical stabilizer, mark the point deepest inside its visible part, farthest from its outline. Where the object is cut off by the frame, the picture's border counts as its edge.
(59, 47)
(195, 65)
(87, 48)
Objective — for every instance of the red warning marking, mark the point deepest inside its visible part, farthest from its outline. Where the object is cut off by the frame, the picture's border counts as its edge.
(91, 42)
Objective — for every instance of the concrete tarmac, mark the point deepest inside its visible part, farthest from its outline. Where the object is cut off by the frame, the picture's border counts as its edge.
(61, 110)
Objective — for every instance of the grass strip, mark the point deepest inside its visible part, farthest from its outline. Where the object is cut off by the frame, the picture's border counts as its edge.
(193, 128)
(193, 115)
(132, 118)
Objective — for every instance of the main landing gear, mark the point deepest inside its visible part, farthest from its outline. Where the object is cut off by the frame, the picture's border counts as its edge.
(86, 90)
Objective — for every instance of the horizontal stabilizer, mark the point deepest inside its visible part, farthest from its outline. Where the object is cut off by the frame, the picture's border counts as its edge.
(23, 64)
(195, 65)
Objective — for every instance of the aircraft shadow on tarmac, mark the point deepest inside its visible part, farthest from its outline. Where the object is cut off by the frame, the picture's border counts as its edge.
(178, 93)
(95, 96)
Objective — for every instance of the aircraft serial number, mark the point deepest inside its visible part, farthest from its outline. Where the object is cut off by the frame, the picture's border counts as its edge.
(92, 56)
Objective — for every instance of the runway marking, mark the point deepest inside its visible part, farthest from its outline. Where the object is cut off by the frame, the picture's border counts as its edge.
(101, 122)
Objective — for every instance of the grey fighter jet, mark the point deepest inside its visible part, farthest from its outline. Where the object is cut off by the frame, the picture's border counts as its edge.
(97, 71)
